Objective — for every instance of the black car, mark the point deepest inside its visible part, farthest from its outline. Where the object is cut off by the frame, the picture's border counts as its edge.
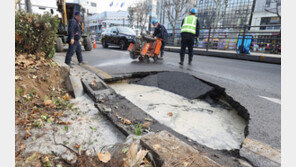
(118, 36)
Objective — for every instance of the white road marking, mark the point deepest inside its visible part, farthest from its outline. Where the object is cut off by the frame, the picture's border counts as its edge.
(271, 99)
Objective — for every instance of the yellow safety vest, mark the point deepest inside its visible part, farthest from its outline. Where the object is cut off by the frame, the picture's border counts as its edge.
(189, 24)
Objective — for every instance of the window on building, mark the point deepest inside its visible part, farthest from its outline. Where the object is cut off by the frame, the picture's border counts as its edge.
(267, 4)
(93, 4)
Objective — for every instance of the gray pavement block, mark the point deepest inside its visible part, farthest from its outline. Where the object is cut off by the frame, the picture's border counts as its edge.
(96, 89)
(257, 160)
(76, 86)
(169, 151)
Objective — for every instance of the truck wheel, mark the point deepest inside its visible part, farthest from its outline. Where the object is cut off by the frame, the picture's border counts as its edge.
(59, 45)
(133, 55)
(155, 58)
(104, 44)
(87, 44)
(123, 44)
(141, 59)
(146, 59)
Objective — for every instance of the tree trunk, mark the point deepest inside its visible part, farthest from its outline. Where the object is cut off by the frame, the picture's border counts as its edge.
(28, 6)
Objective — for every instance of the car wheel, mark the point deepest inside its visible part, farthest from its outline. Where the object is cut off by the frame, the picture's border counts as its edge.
(122, 44)
(104, 43)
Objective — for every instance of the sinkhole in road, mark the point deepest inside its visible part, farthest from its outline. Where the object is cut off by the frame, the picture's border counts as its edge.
(214, 124)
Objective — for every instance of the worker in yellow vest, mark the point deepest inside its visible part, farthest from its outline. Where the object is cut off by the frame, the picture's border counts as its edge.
(189, 32)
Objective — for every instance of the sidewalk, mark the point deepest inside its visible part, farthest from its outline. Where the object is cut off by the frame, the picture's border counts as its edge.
(254, 56)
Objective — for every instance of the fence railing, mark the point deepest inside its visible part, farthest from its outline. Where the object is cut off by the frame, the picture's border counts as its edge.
(264, 38)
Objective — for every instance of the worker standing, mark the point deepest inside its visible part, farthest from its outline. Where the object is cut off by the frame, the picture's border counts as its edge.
(189, 33)
(160, 32)
(74, 35)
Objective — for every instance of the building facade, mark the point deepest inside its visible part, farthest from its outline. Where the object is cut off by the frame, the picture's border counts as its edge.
(229, 14)
(262, 17)
(267, 25)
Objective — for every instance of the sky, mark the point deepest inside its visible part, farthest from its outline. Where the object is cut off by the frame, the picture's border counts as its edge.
(113, 5)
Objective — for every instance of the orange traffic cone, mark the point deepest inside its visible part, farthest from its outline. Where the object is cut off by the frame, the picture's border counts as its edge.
(95, 44)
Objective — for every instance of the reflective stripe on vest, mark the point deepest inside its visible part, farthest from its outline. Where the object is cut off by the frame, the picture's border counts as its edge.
(189, 24)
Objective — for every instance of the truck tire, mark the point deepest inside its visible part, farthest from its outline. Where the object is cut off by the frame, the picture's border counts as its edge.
(133, 55)
(59, 45)
(87, 44)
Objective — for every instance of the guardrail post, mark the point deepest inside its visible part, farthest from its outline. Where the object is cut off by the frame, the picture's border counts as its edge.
(243, 41)
(209, 38)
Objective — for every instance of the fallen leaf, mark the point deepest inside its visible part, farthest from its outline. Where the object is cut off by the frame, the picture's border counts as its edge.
(67, 97)
(148, 119)
(47, 102)
(77, 146)
(156, 147)
(34, 76)
(93, 83)
(126, 121)
(170, 114)
(104, 157)
(133, 156)
(146, 124)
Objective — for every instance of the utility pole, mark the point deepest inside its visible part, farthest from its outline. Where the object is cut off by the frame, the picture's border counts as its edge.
(28, 6)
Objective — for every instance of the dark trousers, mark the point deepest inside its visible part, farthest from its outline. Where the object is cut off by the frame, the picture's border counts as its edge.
(187, 40)
(76, 47)
(162, 48)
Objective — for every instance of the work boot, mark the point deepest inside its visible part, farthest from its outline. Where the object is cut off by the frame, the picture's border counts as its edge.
(70, 65)
(82, 63)
(161, 56)
(181, 63)
(189, 63)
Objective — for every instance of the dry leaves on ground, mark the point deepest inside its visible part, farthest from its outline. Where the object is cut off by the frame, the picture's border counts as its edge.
(134, 157)
(104, 157)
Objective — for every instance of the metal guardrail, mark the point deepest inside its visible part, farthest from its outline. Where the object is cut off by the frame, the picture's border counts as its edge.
(228, 38)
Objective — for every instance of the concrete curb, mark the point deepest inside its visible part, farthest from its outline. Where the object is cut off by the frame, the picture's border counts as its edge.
(263, 59)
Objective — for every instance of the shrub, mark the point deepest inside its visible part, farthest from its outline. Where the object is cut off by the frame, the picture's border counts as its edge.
(35, 33)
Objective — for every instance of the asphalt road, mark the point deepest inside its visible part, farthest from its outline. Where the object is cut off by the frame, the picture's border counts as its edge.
(257, 86)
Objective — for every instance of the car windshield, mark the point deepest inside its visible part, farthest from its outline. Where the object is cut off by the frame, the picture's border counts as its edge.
(126, 30)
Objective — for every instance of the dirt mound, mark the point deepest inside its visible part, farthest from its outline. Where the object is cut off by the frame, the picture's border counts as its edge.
(177, 82)
(40, 97)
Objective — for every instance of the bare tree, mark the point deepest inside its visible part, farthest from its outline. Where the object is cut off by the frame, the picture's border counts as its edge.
(28, 5)
(131, 15)
(141, 10)
(276, 9)
(176, 10)
(17, 2)
(218, 13)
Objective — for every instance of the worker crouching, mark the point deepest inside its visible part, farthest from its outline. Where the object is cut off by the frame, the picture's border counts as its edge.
(160, 32)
